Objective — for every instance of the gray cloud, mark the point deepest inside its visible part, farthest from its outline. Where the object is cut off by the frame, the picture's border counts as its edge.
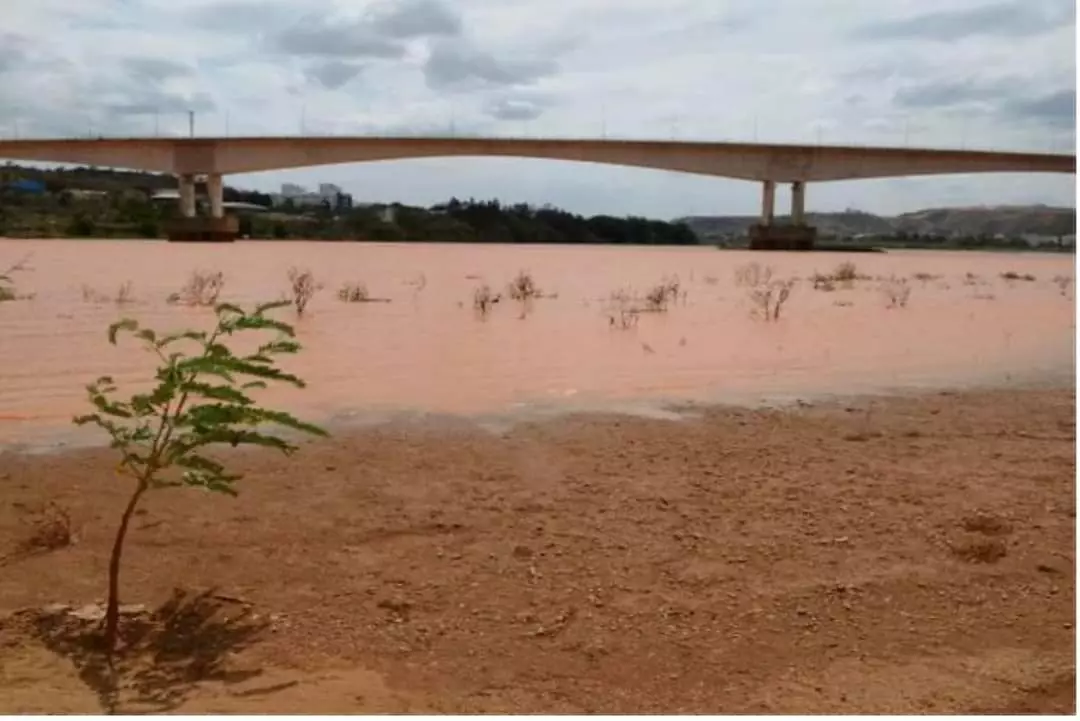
(154, 101)
(415, 18)
(516, 108)
(14, 51)
(332, 74)
(156, 69)
(1020, 18)
(238, 15)
(950, 93)
(1056, 110)
(320, 37)
(456, 64)
(380, 33)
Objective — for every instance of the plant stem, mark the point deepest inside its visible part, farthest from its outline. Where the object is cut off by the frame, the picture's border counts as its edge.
(112, 609)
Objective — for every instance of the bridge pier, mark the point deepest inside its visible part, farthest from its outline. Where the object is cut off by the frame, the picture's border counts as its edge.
(218, 228)
(798, 203)
(216, 190)
(187, 196)
(768, 235)
(768, 202)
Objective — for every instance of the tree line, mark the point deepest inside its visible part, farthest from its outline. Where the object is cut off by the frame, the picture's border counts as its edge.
(124, 209)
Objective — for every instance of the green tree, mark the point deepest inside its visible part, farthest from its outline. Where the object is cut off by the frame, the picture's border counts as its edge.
(200, 400)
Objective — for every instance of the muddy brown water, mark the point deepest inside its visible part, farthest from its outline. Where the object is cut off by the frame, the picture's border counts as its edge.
(426, 350)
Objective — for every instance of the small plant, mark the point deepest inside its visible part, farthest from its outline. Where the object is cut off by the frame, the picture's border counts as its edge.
(753, 274)
(1013, 275)
(846, 272)
(1064, 283)
(200, 400)
(125, 293)
(924, 277)
(93, 295)
(624, 318)
(769, 298)
(971, 279)
(353, 293)
(662, 294)
(201, 289)
(523, 287)
(303, 288)
(7, 280)
(896, 292)
(484, 299)
(823, 282)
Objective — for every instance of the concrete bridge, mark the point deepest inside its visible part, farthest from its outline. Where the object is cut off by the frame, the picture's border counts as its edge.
(768, 164)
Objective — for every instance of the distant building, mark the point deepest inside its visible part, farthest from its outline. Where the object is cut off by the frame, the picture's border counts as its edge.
(329, 196)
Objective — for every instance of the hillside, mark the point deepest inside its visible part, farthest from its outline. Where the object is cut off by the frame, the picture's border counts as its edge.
(944, 223)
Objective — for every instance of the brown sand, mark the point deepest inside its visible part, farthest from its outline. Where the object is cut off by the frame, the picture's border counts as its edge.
(892, 555)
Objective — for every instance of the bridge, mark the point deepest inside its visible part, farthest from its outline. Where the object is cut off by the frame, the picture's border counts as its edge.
(767, 164)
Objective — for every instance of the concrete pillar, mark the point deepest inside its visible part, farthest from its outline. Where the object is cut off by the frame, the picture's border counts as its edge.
(768, 202)
(216, 190)
(798, 203)
(187, 196)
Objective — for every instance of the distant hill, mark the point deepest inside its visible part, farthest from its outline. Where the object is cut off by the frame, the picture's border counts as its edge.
(1010, 221)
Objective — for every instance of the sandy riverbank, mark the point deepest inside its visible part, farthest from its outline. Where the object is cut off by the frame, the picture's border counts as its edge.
(888, 555)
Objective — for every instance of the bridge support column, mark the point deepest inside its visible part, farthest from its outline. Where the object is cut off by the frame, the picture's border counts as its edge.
(768, 202)
(189, 227)
(187, 196)
(796, 235)
(215, 189)
(798, 203)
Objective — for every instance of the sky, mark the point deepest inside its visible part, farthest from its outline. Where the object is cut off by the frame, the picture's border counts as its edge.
(921, 73)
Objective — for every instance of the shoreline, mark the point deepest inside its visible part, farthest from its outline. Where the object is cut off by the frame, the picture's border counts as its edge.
(65, 438)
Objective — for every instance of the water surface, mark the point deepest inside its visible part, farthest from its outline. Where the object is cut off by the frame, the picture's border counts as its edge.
(427, 351)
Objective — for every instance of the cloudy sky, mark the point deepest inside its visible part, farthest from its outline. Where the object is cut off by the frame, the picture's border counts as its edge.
(934, 73)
